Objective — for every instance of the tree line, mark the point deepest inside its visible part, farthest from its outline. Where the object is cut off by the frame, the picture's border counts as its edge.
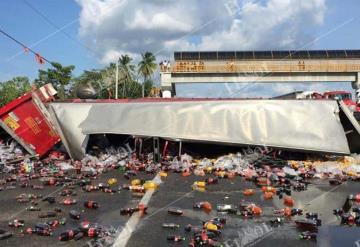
(134, 80)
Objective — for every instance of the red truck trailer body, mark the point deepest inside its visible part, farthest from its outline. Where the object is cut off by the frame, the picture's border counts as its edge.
(26, 119)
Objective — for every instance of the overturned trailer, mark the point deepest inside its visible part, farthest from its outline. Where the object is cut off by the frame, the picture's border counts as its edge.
(309, 126)
(27, 120)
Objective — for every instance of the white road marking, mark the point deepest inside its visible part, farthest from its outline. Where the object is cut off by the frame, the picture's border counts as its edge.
(134, 220)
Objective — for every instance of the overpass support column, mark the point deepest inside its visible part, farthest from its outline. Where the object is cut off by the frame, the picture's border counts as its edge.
(166, 84)
(356, 86)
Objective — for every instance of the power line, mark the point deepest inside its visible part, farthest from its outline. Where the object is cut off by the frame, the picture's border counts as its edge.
(53, 24)
(24, 46)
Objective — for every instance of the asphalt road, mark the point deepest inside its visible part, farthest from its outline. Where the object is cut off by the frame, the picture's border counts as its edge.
(107, 216)
(176, 191)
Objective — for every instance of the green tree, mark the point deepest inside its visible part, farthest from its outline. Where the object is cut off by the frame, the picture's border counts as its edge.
(89, 77)
(126, 76)
(13, 88)
(148, 85)
(147, 67)
(60, 76)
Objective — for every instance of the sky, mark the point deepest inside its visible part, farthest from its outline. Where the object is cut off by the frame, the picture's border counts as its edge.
(91, 33)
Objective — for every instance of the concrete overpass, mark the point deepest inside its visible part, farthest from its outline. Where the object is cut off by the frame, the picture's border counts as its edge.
(263, 66)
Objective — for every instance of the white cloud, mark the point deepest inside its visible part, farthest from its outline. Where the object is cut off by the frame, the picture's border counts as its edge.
(162, 26)
(114, 27)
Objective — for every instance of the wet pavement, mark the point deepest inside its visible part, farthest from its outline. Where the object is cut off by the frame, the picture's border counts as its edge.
(176, 191)
(108, 215)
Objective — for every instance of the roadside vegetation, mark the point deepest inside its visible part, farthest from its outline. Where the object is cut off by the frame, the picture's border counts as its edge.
(135, 80)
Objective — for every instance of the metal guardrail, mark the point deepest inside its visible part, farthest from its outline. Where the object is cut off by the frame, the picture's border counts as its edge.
(232, 67)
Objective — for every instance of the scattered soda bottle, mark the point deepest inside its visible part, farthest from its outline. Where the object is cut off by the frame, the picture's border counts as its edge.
(58, 210)
(189, 227)
(175, 211)
(262, 181)
(186, 173)
(200, 184)
(128, 174)
(142, 208)
(130, 211)
(268, 195)
(50, 200)
(287, 212)
(16, 223)
(308, 235)
(314, 216)
(49, 214)
(170, 225)
(356, 210)
(74, 215)
(211, 181)
(220, 222)
(90, 188)
(42, 226)
(85, 226)
(137, 188)
(50, 181)
(24, 185)
(175, 238)
(32, 208)
(206, 206)
(163, 174)
(347, 219)
(69, 201)
(355, 197)
(256, 210)
(276, 222)
(268, 189)
(338, 211)
(62, 221)
(299, 186)
(229, 208)
(68, 235)
(40, 232)
(67, 192)
(206, 235)
(91, 204)
(84, 182)
(109, 190)
(296, 211)
(79, 236)
(211, 226)
(288, 201)
(53, 223)
(248, 192)
(112, 181)
(93, 232)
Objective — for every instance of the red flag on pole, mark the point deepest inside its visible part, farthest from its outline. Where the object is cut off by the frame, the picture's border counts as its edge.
(26, 49)
(39, 58)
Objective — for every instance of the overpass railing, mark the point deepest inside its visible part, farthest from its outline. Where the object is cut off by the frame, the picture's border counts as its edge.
(233, 67)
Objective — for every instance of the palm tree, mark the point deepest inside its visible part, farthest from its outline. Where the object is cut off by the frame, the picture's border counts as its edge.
(125, 66)
(127, 69)
(147, 67)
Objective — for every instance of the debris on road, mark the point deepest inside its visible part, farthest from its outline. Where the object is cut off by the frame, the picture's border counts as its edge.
(273, 179)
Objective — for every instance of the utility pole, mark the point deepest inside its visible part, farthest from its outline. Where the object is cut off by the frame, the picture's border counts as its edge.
(117, 80)
(143, 89)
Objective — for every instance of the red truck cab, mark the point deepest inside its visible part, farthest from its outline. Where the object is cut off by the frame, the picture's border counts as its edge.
(346, 97)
